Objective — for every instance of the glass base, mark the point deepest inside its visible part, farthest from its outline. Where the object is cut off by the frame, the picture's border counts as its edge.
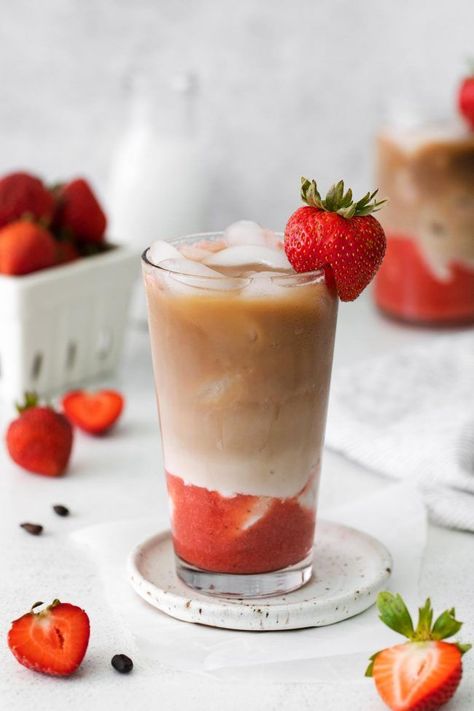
(252, 585)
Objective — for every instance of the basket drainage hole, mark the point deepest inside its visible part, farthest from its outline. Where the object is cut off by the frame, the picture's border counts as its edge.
(36, 366)
(71, 355)
(104, 344)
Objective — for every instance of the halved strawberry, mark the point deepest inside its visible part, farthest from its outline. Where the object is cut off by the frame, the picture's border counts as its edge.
(93, 412)
(52, 641)
(423, 673)
(338, 235)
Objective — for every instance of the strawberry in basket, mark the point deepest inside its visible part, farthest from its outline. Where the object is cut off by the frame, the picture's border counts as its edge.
(26, 247)
(40, 228)
(24, 195)
(78, 212)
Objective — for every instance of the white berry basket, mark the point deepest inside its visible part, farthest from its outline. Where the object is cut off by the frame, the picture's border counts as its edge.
(65, 325)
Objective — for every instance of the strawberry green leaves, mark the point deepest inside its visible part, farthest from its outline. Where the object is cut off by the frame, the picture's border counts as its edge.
(394, 613)
(339, 201)
(446, 625)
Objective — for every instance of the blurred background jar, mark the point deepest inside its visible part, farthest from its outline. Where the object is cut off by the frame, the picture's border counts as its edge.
(158, 186)
(426, 170)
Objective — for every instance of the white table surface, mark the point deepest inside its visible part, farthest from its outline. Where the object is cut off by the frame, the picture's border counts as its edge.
(119, 477)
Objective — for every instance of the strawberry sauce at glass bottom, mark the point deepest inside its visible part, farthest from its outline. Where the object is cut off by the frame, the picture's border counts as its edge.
(238, 534)
(407, 289)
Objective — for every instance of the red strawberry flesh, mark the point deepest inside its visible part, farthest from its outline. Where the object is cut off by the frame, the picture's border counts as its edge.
(53, 641)
(93, 412)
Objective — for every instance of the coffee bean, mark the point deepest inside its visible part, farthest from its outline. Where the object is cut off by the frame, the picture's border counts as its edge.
(34, 528)
(122, 663)
(61, 510)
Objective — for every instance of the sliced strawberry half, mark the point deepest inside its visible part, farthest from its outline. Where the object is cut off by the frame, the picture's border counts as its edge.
(336, 234)
(52, 641)
(94, 413)
(423, 673)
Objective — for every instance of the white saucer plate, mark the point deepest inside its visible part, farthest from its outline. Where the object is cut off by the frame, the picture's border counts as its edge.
(350, 568)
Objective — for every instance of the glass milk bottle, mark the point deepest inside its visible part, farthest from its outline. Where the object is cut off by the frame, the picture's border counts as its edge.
(158, 188)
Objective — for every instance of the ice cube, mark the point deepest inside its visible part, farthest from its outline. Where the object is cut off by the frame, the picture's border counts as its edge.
(262, 284)
(181, 265)
(161, 250)
(245, 232)
(197, 254)
(247, 256)
(197, 275)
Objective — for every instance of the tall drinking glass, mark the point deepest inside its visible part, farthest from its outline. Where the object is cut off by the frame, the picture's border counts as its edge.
(242, 366)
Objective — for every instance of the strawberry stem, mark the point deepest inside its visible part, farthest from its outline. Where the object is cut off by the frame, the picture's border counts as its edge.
(394, 613)
(31, 400)
(339, 201)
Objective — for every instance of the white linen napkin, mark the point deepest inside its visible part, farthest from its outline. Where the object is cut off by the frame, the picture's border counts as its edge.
(410, 415)
(338, 651)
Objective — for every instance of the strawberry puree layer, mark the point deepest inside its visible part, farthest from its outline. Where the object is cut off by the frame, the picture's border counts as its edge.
(241, 533)
(406, 287)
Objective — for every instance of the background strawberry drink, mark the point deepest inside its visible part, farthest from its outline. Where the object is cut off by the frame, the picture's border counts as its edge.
(242, 353)
(428, 272)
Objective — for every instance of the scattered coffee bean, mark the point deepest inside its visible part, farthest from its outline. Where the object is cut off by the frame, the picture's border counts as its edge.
(34, 528)
(61, 510)
(122, 663)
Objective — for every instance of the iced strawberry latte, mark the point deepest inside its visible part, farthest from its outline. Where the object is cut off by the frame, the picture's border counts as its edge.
(242, 350)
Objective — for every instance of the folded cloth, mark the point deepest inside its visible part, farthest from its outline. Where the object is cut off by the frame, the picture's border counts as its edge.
(410, 415)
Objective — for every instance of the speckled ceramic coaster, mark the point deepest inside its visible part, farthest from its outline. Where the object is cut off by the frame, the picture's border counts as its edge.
(350, 568)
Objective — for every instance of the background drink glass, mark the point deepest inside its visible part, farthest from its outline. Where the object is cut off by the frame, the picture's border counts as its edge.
(242, 368)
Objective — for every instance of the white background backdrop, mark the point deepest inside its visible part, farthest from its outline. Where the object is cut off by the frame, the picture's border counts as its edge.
(286, 86)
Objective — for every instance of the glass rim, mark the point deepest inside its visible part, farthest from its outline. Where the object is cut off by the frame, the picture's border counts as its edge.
(195, 237)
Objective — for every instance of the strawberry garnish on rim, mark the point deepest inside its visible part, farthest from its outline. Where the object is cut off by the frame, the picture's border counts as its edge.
(51, 641)
(336, 234)
(423, 673)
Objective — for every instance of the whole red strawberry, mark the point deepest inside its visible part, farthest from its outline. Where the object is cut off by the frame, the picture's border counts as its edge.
(25, 247)
(40, 439)
(78, 212)
(23, 194)
(338, 235)
(466, 100)
(52, 641)
(423, 673)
